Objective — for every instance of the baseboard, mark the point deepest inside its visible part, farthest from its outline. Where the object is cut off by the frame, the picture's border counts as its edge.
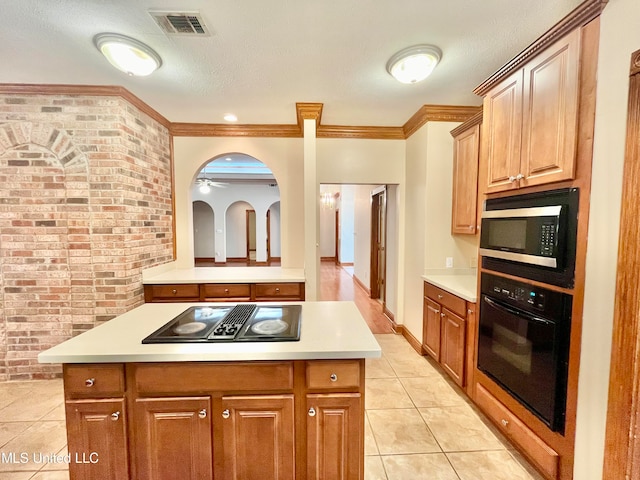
(413, 341)
(361, 285)
(236, 259)
(261, 264)
(328, 259)
(389, 314)
(205, 259)
(345, 264)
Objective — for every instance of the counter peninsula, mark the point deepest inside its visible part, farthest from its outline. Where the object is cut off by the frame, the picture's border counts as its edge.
(264, 410)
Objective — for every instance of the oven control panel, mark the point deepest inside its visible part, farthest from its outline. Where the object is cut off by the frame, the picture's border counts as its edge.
(516, 293)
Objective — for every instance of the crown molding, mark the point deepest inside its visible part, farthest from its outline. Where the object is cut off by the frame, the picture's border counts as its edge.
(581, 15)
(225, 130)
(373, 133)
(438, 113)
(308, 111)
(472, 122)
(88, 90)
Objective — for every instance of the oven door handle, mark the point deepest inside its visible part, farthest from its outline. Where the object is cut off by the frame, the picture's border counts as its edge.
(519, 313)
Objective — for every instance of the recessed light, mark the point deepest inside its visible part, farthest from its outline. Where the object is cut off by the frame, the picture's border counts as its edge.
(230, 117)
(127, 54)
(414, 64)
(228, 159)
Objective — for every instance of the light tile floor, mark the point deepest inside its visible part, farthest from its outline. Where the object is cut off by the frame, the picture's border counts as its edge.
(418, 425)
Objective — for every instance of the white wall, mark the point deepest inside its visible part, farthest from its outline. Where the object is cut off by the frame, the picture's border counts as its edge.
(328, 223)
(203, 231)
(347, 206)
(393, 235)
(236, 230)
(362, 233)
(276, 249)
(284, 156)
(620, 36)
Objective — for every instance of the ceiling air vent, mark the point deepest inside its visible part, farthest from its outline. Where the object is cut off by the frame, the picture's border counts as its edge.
(173, 23)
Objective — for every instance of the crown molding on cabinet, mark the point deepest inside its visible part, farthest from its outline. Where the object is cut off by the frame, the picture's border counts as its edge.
(438, 113)
(471, 122)
(581, 15)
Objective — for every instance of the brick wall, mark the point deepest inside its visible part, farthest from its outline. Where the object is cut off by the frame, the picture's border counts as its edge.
(85, 205)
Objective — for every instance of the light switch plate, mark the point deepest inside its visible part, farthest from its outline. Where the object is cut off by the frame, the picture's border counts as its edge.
(449, 262)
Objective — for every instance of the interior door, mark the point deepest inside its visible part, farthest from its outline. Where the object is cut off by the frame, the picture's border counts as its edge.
(378, 244)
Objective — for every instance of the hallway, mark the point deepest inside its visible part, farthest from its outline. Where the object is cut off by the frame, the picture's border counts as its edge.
(336, 283)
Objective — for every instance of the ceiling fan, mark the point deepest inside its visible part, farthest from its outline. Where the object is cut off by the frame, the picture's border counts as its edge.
(204, 184)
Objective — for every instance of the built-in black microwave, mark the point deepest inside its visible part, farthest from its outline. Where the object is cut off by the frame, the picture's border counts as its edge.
(532, 235)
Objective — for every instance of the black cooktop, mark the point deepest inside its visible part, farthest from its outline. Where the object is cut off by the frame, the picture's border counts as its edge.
(231, 323)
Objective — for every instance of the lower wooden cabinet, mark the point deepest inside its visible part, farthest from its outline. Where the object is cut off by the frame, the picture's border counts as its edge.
(97, 439)
(334, 436)
(258, 437)
(271, 420)
(444, 330)
(172, 438)
(224, 292)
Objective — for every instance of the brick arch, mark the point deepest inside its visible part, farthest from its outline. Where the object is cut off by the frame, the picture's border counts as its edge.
(57, 141)
(46, 268)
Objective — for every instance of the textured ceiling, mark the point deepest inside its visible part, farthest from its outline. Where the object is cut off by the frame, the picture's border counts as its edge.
(265, 55)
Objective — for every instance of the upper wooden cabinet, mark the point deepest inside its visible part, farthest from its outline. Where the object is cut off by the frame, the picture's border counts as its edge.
(466, 153)
(530, 120)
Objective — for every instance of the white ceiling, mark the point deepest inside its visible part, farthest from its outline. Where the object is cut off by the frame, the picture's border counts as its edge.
(265, 55)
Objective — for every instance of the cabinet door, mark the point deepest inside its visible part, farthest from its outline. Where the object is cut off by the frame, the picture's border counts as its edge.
(466, 153)
(97, 432)
(452, 355)
(335, 445)
(502, 133)
(431, 328)
(550, 122)
(258, 437)
(173, 438)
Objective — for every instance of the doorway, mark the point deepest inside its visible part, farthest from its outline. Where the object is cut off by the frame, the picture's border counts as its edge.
(251, 236)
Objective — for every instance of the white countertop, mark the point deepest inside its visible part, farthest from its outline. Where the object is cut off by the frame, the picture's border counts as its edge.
(226, 275)
(462, 284)
(329, 330)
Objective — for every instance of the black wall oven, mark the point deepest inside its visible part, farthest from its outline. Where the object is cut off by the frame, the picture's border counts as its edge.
(532, 236)
(523, 344)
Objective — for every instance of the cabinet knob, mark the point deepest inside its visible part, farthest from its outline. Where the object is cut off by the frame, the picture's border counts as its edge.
(439, 297)
(504, 422)
(442, 314)
(469, 311)
(174, 291)
(226, 290)
(519, 176)
(312, 412)
(277, 290)
(333, 377)
(89, 382)
(512, 179)
(225, 413)
(203, 413)
(115, 416)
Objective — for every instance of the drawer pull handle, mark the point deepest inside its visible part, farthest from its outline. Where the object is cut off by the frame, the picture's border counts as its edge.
(333, 377)
(439, 296)
(174, 291)
(115, 416)
(89, 382)
(225, 413)
(312, 412)
(504, 422)
(202, 413)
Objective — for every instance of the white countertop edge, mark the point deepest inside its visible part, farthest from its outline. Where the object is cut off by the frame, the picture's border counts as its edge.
(463, 286)
(243, 357)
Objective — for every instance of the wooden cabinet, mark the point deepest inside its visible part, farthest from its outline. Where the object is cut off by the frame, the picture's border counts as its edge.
(258, 438)
(263, 420)
(225, 292)
(334, 436)
(530, 120)
(466, 155)
(97, 423)
(172, 438)
(445, 330)
(97, 439)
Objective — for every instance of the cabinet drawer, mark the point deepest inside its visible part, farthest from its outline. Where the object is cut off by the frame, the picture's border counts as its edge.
(95, 380)
(178, 292)
(331, 374)
(278, 290)
(201, 377)
(220, 291)
(446, 299)
(542, 455)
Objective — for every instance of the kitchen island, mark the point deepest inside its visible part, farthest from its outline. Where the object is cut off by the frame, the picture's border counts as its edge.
(263, 410)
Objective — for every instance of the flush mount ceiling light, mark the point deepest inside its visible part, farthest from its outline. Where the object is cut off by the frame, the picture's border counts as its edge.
(127, 54)
(230, 117)
(414, 64)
